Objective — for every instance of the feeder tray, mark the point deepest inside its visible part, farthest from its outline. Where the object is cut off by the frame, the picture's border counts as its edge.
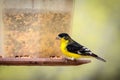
(41, 62)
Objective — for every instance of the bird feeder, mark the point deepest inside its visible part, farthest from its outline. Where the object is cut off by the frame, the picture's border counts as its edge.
(29, 29)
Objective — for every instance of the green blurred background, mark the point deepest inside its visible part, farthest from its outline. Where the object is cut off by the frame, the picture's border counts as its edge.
(95, 25)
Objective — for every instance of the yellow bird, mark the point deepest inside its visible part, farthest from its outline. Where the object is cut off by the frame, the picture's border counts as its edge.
(74, 50)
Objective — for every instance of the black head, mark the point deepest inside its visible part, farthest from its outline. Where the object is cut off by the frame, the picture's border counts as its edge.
(64, 35)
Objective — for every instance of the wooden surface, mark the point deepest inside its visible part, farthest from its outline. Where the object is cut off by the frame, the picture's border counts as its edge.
(41, 62)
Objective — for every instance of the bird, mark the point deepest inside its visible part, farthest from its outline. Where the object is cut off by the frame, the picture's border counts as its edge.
(73, 49)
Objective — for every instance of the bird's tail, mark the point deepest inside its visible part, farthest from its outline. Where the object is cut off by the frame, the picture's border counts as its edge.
(97, 57)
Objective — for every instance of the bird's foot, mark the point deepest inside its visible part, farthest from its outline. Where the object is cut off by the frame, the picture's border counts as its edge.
(69, 59)
(73, 59)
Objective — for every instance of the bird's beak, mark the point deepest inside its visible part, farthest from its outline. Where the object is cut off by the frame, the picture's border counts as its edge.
(58, 38)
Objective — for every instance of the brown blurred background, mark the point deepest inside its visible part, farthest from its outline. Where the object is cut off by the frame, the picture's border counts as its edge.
(93, 23)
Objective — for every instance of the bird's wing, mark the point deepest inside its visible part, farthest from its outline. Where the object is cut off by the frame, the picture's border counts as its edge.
(77, 48)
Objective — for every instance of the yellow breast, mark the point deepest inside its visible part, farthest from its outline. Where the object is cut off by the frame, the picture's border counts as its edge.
(65, 51)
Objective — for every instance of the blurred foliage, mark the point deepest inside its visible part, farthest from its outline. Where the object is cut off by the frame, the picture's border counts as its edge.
(95, 25)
